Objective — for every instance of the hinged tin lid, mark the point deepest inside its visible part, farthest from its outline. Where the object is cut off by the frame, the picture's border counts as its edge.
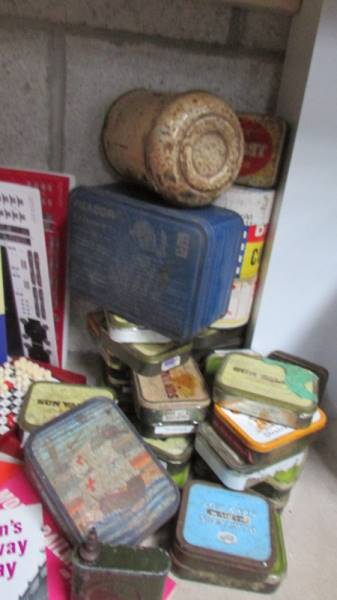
(270, 381)
(264, 436)
(46, 400)
(221, 525)
(93, 469)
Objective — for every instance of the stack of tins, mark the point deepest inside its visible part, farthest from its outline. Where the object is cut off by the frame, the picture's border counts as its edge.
(265, 414)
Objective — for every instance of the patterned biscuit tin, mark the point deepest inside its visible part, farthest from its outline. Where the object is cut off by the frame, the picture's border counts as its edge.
(123, 572)
(175, 450)
(321, 372)
(122, 331)
(264, 144)
(240, 305)
(166, 269)
(46, 400)
(187, 146)
(258, 441)
(92, 469)
(146, 359)
(175, 396)
(271, 390)
(225, 532)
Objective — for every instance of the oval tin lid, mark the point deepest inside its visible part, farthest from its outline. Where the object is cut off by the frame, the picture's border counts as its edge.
(268, 381)
(264, 436)
(222, 525)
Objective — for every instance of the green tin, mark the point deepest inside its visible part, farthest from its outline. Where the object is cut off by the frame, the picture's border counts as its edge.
(173, 450)
(321, 372)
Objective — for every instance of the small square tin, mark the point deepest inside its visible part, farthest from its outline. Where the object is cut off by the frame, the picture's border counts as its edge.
(259, 441)
(92, 469)
(122, 331)
(46, 400)
(146, 359)
(264, 144)
(321, 372)
(267, 389)
(225, 532)
(175, 396)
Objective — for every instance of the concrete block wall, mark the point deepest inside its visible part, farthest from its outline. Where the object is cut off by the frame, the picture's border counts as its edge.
(62, 63)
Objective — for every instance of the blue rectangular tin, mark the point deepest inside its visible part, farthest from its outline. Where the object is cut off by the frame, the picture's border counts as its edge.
(168, 269)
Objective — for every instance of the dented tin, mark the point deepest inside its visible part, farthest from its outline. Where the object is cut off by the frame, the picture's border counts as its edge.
(259, 441)
(92, 469)
(122, 331)
(187, 146)
(145, 359)
(46, 400)
(119, 572)
(321, 372)
(267, 389)
(264, 141)
(175, 396)
(227, 533)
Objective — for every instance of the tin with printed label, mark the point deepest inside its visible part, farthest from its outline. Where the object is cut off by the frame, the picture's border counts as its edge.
(267, 389)
(175, 396)
(145, 359)
(265, 138)
(46, 400)
(92, 469)
(166, 269)
(240, 305)
(122, 331)
(321, 372)
(104, 571)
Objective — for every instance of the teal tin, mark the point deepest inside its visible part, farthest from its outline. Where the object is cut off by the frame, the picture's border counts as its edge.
(224, 532)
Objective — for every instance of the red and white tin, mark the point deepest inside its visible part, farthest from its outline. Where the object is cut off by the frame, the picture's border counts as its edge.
(240, 304)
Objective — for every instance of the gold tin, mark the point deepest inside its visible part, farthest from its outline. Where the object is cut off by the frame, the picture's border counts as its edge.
(176, 396)
(188, 147)
(46, 400)
(267, 389)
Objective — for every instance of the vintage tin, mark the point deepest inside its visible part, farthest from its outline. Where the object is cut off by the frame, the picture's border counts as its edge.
(145, 359)
(258, 441)
(277, 498)
(175, 450)
(240, 305)
(270, 583)
(227, 533)
(103, 572)
(178, 395)
(210, 339)
(179, 475)
(46, 400)
(166, 269)
(122, 331)
(92, 469)
(214, 360)
(245, 477)
(321, 372)
(187, 146)
(267, 389)
(264, 144)
(165, 430)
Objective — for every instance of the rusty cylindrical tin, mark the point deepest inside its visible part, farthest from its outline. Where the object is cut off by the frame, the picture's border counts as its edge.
(187, 146)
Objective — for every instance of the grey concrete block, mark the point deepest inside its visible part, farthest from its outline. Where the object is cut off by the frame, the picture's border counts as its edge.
(24, 98)
(265, 30)
(99, 71)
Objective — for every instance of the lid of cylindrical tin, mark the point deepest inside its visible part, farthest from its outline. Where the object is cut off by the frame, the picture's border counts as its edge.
(94, 470)
(222, 526)
(264, 436)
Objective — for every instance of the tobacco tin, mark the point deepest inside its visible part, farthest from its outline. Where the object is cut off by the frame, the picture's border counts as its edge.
(46, 400)
(242, 479)
(175, 396)
(146, 359)
(175, 450)
(225, 531)
(321, 372)
(165, 430)
(212, 338)
(120, 572)
(267, 389)
(264, 144)
(240, 305)
(122, 331)
(256, 439)
(92, 469)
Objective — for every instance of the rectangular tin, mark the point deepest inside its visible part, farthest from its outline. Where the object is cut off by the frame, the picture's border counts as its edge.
(165, 430)
(246, 478)
(176, 396)
(278, 498)
(92, 468)
(120, 572)
(145, 359)
(175, 450)
(46, 400)
(227, 532)
(122, 331)
(167, 269)
(321, 372)
(210, 339)
(267, 389)
(265, 138)
(259, 441)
